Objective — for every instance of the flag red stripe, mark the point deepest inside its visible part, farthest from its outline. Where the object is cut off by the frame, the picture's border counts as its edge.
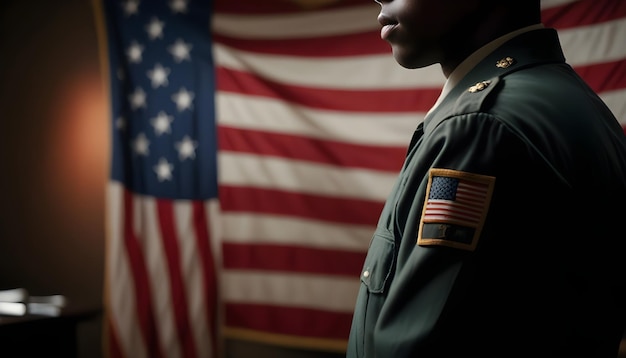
(570, 15)
(113, 349)
(292, 259)
(361, 43)
(472, 193)
(447, 217)
(177, 285)
(272, 7)
(604, 77)
(298, 204)
(374, 100)
(347, 155)
(143, 296)
(470, 198)
(583, 13)
(253, 255)
(453, 207)
(291, 321)
(203, 239)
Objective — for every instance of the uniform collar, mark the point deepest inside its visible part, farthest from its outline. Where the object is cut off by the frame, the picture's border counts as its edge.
(531, 47)
(471, 61)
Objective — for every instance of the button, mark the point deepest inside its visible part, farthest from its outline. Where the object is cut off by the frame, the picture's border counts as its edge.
(366, 274)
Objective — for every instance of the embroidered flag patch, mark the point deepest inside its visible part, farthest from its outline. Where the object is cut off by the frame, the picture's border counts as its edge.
(455, 208)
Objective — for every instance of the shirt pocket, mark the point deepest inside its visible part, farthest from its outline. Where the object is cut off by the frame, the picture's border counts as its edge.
(379, 262)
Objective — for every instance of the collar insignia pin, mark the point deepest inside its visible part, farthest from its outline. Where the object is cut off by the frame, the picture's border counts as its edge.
(505, 62)
(479, 86)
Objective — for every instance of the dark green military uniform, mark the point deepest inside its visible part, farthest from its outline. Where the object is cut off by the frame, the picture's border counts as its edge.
(504, 234)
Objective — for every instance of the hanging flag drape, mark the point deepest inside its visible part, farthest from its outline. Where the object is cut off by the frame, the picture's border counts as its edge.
(307, 116)
(314, 118)
(160, 282)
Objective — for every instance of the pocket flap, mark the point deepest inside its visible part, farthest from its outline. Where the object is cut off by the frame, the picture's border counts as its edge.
(379, 261)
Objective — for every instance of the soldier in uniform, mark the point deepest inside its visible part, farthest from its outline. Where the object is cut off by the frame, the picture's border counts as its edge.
(504, 233)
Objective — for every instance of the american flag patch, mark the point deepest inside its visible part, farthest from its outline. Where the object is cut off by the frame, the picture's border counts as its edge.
(455, 209)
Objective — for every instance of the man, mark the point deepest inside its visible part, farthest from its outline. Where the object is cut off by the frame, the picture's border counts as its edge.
(504, 233)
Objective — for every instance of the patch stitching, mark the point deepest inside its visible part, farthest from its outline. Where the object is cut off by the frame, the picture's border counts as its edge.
(466, 212)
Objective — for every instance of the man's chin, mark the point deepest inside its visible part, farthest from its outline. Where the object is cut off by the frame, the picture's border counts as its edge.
(409, 60)
(406, 61)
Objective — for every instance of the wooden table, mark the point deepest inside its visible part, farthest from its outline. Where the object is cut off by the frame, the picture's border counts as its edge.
(37, 336)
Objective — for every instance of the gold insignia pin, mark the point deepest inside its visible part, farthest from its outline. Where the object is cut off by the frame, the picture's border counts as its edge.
(505, 62)
(479, 86)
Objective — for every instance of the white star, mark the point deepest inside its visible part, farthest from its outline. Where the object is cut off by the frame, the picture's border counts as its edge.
(120, 123)
(178, 6)
(163, 170)
(161, 123)
(141, 144)
(155, 29)
(186, 148)
(183, 99)
(134, 52)
(137, 98)
(130, 7)
(158, 75)
(180, 50)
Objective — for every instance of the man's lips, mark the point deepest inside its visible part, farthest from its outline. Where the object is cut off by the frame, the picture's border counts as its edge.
(388, 24)
(386, 30)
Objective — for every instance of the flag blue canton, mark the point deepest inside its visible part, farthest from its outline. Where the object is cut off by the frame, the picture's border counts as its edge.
(162, 89)
(443, 188)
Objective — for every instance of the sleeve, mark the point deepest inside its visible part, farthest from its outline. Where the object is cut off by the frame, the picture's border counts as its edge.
(445, 218)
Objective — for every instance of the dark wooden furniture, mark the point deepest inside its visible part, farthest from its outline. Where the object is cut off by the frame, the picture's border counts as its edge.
(37, 336)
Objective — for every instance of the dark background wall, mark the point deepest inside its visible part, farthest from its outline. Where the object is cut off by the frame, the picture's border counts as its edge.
(53, 154)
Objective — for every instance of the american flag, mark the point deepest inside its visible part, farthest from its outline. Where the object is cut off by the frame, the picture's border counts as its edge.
(161, 284)
(312, 120)
(456, 200)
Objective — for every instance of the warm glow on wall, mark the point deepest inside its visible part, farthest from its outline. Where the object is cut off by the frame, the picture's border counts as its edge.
(79, 143)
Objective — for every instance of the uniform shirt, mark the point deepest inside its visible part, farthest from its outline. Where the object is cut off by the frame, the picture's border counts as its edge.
(503, 234)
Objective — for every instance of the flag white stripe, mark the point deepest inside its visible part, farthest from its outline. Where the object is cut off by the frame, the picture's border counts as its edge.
(193, 277)
(351, 20)
(122, 309)
(582, 45)
(156, 262)
(586, 45)
(243, 227)
(616, 100)
(393, 129)
(375, 72)
(305, 177)
(329, 293)
(257, 113)
(214, 218)
(545, 4)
